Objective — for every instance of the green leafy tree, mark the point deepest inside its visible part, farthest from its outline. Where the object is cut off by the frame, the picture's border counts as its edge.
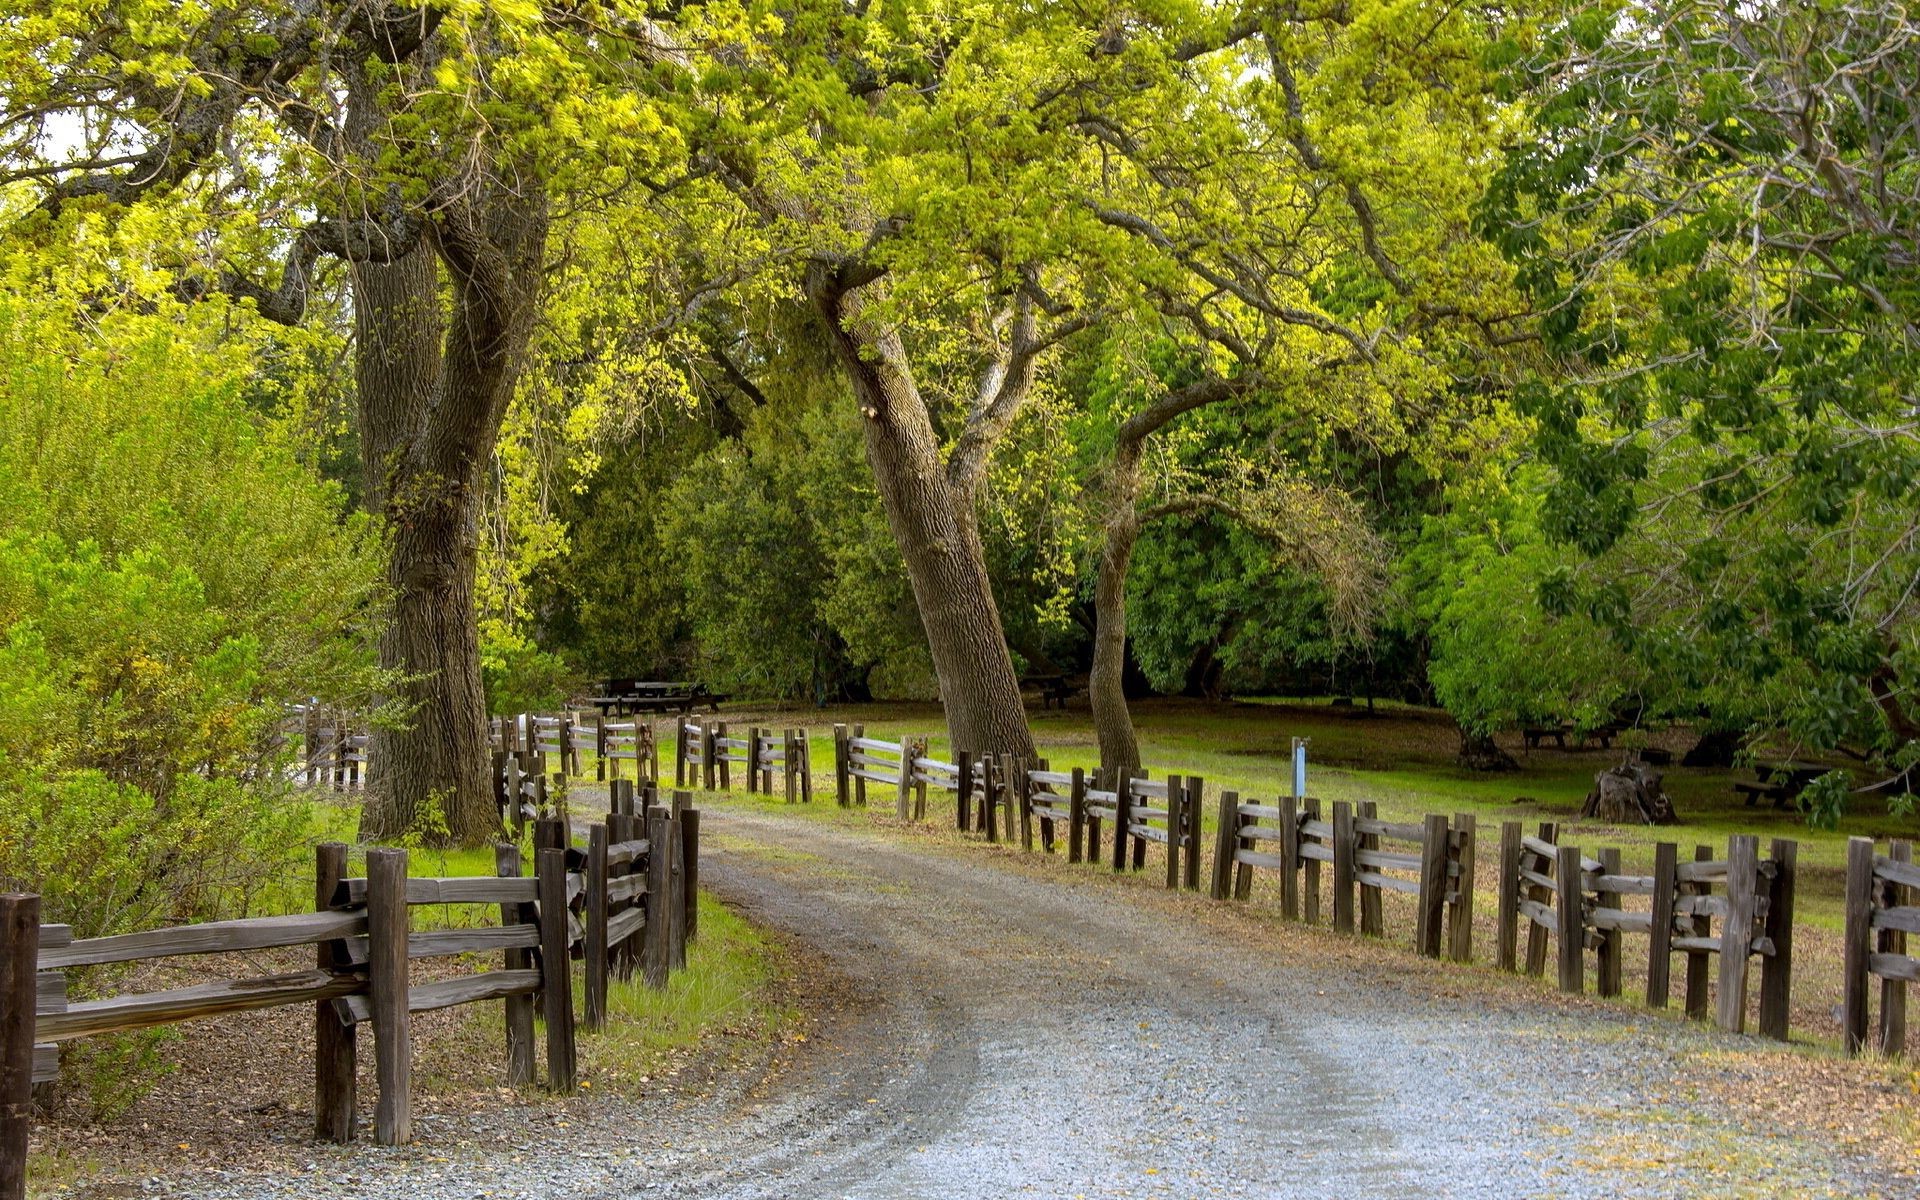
(1719, 221)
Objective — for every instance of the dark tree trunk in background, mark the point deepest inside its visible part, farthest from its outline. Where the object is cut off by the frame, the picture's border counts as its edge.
(1106, 688)
(1479, 752)
(931, 516)
(434, 385)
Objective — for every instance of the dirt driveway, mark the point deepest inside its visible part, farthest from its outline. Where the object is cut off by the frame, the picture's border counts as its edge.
(1001, 1030)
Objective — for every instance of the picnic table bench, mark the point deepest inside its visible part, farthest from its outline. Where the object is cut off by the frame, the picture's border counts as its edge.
(1054, 689)
(1604, 734)
(621, 697)
(1781, 783)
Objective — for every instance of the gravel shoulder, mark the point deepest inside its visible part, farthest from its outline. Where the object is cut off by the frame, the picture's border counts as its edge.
(988, 1028)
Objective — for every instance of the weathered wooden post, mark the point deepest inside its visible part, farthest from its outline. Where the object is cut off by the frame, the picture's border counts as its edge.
(1290, 857)
(1226, 840)
(1076, 815)
(1607, 959)
(1343, 849)
(679, 752)
(1666, 862)
(1893, 991)
(1372, 923)
(1192, 822)
(1547, 834)
(659, 883)
(387, 927)
(1309, 866)
(690, 869)
(518, 1010)
(841, 784)
(1507, 902)
(1700, 926)
(1570, 932)
(1014, 770)
(1736, 930)
(19, 997)
(335, 1046)
(1859, 943)
(1776, 973)
(676, 897)
(859, 779)
(595, 1001)
(903, 806)
(753, 760)
(556, 968)
(1432, 896)
(1464, 844)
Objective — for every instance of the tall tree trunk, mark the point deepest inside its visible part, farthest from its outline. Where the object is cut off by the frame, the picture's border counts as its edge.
(434, 387)
(933, 525)
(1106, 689)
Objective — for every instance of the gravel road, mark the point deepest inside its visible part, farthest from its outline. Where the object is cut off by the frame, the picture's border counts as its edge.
(1002, 1031)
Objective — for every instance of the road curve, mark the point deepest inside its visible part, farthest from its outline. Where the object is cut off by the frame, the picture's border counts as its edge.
(1014, 1032)
(999, 1029)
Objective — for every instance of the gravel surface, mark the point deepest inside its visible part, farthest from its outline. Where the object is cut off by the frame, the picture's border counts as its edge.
(1001, 1031)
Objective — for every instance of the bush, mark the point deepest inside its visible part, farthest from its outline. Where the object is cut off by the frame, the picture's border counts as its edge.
(170, 577)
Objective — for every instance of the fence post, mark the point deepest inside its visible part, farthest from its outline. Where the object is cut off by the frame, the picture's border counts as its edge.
(963, 789)
(1015, 771)
(1076, 814)
(556, 968)
(1547, 831)
(1571, 930)
(1666, 860)
(717, 736)
(1122, 817)
(1242, 873)
(387, 988)
(1309, 867)
(659, 879)
(1226, 839)
(690, 869)
(676, 898)
(1343, 865)
(1289, 857)
(1859, 943)
(1893, 992)
(753, 760)
(1433, 884)
(1607, 963)
(1699, 925)
(1507, 902)
(1192, 798)
(859, 781)
(679, 752)
(840, 766)
(334, 1041)
(518, 1009)
(596, 932)
(1776, 973)
(1736, 930)
(1371, 921)
(19, 997)
(989, 798)
(1465, 846)
(902, 806)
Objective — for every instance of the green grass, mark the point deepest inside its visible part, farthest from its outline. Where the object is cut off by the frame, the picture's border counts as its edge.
(729, 987)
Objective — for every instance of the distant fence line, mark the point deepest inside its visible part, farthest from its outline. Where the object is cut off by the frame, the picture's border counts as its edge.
(1723, 915)
(623, 899)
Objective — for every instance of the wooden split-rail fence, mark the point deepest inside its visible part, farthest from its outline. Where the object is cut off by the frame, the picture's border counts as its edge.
(624, 901)
(1362, 857)
(1880, 913)
(1730, 909)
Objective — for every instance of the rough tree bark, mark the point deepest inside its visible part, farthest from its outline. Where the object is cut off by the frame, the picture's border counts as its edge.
(433, 389)
(1106, 692)
(930, 505)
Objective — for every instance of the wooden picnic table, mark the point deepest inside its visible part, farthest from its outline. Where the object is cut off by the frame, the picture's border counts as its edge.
(1053, 689)
(1604, 734)
(621, 697)
(1780, 782)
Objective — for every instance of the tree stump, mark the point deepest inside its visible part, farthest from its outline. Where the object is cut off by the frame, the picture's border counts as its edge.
(1630, 792)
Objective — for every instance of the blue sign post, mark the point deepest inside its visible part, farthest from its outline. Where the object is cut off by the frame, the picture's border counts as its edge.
(1300, 767)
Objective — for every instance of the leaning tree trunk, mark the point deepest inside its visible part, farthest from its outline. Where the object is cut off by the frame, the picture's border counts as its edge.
(434, 387)
(1106, 687)
(937, 536)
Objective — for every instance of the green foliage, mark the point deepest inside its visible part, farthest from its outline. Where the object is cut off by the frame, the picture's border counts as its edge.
(170, 578)
(1704, 215)
(519, 676)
